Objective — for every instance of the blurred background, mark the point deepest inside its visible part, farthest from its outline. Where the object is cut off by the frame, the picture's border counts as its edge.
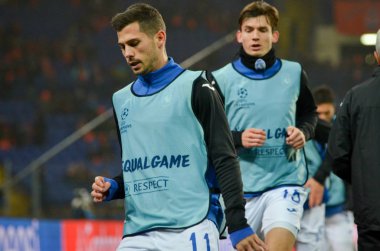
(60, 64)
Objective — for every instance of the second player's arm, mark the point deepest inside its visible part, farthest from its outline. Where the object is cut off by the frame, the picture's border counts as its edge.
(306, 115)
(208, 109)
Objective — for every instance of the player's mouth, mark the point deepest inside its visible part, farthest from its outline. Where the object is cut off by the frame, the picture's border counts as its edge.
(134, 64)
(255, 47)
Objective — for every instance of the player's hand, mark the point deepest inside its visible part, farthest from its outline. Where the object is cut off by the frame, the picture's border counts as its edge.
(316, 192)
(252, 137)
(295, 138)
(251, 243)
(100, 189)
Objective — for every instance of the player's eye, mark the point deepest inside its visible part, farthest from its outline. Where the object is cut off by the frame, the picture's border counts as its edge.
(134, 43)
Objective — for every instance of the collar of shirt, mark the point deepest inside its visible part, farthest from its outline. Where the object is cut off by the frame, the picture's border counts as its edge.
(155, 81)
(257, 75)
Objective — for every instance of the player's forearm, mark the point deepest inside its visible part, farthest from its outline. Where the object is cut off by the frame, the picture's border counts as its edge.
(323, 171)
(209, 110)
(229, 179)
(237, 137)
(119, 193)
(306, 115)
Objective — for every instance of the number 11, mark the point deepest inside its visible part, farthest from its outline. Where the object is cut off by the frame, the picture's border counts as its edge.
(194, 241)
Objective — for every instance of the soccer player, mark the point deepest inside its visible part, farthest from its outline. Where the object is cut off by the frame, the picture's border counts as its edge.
(271, 113)
(311, 234)
(339, 224)
(326, 225)
(176, 146)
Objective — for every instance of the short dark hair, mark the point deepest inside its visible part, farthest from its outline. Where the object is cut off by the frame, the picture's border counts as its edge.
(148, 17)
(323, 94)
(260, 8)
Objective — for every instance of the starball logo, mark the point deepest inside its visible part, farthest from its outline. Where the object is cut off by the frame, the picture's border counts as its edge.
(242, 101)
(242, 93)
(124, 114)
(124, 126)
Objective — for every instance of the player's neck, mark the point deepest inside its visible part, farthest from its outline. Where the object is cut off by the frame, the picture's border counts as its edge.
(250, 61)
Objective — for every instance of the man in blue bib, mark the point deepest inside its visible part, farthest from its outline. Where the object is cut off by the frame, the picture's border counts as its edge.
(177, 150)
(271, 114)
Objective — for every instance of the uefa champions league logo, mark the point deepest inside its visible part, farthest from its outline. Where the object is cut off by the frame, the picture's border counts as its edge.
(242, 93)
(242, 102)
(124, 125)
(124, 114)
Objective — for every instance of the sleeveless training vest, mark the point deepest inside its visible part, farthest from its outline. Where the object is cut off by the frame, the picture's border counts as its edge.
(313, 157)
(268, 104)
(162, 146)
(337, 191)
(334, 185)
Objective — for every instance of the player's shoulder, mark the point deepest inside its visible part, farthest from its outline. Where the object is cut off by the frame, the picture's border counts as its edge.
(123, 91)
(201, 81)
(223, 70)
(203, 88)
(193, 74)
(287, 62)
(223, 75)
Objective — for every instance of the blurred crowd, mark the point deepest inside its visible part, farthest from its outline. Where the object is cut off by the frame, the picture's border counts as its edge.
(60, 64)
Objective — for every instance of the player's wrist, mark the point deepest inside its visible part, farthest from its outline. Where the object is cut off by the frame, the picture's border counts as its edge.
(240, 235)
(112, 190)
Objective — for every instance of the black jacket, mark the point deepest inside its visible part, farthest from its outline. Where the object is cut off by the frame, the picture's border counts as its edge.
(354, 149)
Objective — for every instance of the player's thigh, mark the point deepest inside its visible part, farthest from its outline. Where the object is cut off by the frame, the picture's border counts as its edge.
(203, 236)
(340, 230)
(311, 234)
(284, 209)
(254, 210)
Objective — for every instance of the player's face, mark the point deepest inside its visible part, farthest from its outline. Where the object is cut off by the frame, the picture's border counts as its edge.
(141, 50)
(256, 36)
(326, 111)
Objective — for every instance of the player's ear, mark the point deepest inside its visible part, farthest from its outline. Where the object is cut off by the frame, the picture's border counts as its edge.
(238, 37)
(275, 36)
(160, 38)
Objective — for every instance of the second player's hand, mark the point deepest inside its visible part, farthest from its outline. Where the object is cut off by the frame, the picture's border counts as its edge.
(100, 189)
(295, 138)
(251, 243)
(252, 137)
(316, 192)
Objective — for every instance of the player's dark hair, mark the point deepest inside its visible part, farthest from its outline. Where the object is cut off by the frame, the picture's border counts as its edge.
(323, 94)
(148, 17)
(260, 8)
